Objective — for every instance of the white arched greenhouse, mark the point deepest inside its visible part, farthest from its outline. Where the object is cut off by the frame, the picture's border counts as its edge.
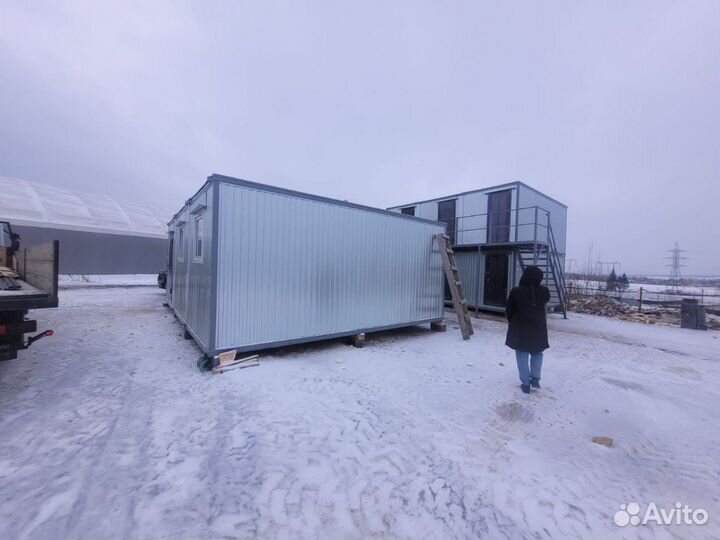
(97, 235)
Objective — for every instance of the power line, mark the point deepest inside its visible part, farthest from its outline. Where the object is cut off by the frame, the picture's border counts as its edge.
(609, 264)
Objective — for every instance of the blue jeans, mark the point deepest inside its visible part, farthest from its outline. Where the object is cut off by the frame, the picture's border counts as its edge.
(535, 365)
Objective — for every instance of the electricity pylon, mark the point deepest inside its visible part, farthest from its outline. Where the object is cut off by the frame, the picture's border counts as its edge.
(675, 266)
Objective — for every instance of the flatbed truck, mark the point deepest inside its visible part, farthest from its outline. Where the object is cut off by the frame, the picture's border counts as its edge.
(28, 281)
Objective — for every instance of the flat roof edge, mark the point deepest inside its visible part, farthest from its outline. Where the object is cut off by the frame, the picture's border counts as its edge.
(480, 190)
(309, 196)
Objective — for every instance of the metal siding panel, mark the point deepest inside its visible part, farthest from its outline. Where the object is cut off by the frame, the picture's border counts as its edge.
(558, 216)
(200, 273)
(468, 263)
(266, 188)
(293, 268)
(214, 196)
(474, 226)
(471, 266)
(87, 253)
(180, 279)
(192, 288)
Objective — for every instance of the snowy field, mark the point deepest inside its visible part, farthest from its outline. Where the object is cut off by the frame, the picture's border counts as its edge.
(68, 281)
(109, 431)
(685, 289)
(710, 296)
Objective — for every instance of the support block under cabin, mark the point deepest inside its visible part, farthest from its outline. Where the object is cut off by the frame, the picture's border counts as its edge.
(438, 326)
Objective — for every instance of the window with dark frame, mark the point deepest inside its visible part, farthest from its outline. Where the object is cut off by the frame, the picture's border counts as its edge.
(446, 214)
(499, 216)
(181, 244)
(408, 210)
(199, 237)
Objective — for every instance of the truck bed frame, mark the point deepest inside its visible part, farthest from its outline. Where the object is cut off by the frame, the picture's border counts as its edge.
(37, 267)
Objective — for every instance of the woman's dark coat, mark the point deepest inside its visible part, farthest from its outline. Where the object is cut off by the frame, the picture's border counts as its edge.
(525, 311)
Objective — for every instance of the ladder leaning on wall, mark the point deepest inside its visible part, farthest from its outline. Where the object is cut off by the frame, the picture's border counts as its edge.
(456, 289)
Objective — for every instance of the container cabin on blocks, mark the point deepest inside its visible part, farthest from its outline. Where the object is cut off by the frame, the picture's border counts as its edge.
(253, 266)
(497, 232)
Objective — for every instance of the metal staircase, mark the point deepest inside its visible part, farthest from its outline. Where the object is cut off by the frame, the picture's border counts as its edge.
(545, 256)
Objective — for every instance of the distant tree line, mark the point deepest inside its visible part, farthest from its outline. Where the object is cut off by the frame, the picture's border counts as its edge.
(615, 283)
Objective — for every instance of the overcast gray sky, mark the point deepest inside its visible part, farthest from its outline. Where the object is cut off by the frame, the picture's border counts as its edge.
(611, 107)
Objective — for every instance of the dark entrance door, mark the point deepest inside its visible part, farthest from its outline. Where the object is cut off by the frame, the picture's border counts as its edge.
(498, 219)
(446, 214)
(496, 279)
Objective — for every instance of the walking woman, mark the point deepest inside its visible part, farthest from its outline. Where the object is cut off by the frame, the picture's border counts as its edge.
(527, 329)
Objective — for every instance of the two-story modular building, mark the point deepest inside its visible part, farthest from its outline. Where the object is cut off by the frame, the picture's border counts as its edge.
(497, 232)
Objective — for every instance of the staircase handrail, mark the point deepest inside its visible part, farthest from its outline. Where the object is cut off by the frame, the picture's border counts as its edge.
(559, 271)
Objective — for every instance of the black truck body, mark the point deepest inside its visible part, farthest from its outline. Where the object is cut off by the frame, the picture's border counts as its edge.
(28, 281)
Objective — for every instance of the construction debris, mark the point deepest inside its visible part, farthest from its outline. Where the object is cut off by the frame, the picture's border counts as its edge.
(8, 272)
(8, 279)
(227, 357)
(228, 364)
(713, 322)
(609, 307)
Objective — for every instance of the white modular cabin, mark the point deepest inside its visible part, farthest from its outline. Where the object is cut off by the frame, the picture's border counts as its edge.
(254, 266)
(496, 232)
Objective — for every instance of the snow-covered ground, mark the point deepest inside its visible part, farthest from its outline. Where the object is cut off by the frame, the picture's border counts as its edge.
(68, 281)
(110, 431)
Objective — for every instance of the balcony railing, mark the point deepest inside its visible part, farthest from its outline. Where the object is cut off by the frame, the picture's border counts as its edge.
(530, 224)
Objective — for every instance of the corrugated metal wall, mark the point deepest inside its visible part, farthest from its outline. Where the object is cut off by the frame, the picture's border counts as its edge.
(291, 268)
(83, 252)
(180, 264)
(192, 277)
(471, 266)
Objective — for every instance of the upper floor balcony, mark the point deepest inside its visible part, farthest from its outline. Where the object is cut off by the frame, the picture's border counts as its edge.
(527, 225)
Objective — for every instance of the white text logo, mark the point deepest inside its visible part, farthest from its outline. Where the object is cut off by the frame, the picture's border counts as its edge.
(680, 514)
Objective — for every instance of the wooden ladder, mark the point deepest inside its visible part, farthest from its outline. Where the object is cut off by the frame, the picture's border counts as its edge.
(456, 290)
